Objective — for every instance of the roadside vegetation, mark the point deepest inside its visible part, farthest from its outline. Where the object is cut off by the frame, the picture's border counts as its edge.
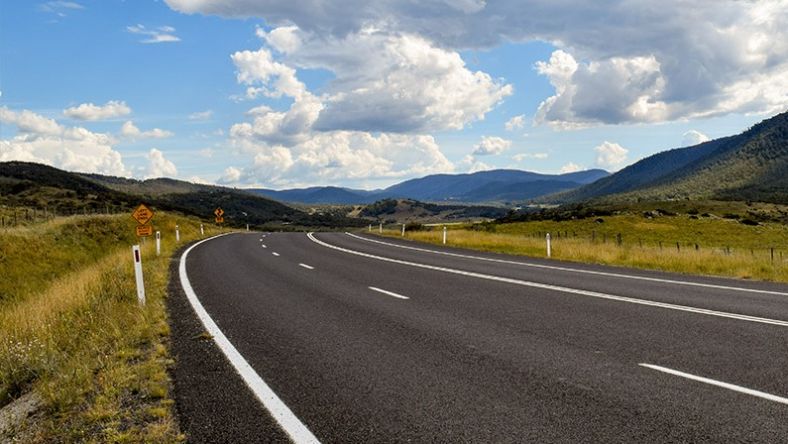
(734, 244)
(73, 337)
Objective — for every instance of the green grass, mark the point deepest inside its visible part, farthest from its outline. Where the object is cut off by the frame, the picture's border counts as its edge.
(72, 331)
(725, 247)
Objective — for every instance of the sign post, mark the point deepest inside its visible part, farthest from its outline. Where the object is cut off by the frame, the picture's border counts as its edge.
(158, 243)
(138, 274)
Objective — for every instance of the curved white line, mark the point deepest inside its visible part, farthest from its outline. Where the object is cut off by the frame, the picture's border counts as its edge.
(593, 294)
(295, 429)
(572, 270)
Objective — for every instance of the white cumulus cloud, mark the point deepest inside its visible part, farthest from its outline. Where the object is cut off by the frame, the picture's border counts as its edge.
(130, 131)
(491, 145)
(89, 111)
(693, 137)
(516, 122)
(620, 62)
(161, 34)
(43, 140)
(610, 155)
(570, 167)
(158, 166)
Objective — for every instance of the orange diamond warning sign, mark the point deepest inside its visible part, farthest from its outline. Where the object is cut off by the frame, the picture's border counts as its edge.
(218, 212)
(219, 219)
(142, 214)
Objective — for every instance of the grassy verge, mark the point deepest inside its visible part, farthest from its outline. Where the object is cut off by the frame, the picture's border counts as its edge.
(680, 243)
(72, 331)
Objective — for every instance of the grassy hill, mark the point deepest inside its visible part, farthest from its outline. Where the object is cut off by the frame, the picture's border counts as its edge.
(24, 184)
(748, 166)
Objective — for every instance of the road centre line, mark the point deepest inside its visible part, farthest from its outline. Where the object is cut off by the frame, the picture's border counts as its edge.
(561, 289)
(714, 382)
(275, 253)
(389, 293)
(572, 270)
(308, 267)
(264, 245)
(295, 429)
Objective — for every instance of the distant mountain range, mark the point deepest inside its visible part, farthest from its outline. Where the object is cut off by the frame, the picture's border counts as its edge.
(750, 166)
(481, 187)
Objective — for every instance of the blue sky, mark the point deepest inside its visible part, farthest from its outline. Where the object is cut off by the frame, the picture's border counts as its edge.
(366, 94)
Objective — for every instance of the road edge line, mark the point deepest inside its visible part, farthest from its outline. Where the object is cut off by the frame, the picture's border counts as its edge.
(558, 288)
(576, 270)
(714, 382)
(295, 429)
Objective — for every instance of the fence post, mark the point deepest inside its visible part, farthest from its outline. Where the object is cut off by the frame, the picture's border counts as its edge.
(549, 249)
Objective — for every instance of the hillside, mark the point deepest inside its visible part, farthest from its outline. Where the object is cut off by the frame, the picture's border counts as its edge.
(40, 186)
(748, 166)
(484, 186)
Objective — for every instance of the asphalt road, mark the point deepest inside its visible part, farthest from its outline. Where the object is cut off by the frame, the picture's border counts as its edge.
(366, 341)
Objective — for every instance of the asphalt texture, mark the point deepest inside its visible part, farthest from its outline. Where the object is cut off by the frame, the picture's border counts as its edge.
(467, 359)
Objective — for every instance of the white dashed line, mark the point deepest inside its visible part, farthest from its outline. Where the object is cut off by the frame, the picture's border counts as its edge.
(295, 429)
(308, 267)
(389, 293)
(264, 245)
(735, 388)
(275, 253)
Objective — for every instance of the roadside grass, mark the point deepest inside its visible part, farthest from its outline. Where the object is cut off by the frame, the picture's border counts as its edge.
(73, 333)
(706, 245)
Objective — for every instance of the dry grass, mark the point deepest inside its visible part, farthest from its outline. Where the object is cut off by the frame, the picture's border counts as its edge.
(725, 248)
(78, 337)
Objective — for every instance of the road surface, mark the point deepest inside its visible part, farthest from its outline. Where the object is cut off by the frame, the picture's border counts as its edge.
(352, 338)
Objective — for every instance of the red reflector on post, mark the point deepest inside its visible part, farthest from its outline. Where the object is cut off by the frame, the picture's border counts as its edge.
(137, 255)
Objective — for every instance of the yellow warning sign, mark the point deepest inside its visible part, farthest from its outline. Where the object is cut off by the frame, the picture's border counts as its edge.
(219, 219)
(142, 214)
(218, 212)
(144, 230)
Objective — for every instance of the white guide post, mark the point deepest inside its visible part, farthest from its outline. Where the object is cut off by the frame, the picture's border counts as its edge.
(444, 235)
(202, 230)
(138, 274)
(158, 243)
(380, 229)
(549, 251)
(177, 233)
(247, 227)
(403, 230)
(370, 228)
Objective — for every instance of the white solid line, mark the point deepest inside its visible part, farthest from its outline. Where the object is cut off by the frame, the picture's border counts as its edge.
(558, 288)
(295, 429)
(573, 270)
(726, 385)
(390, 293)
(308, 267)
(275, 253)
